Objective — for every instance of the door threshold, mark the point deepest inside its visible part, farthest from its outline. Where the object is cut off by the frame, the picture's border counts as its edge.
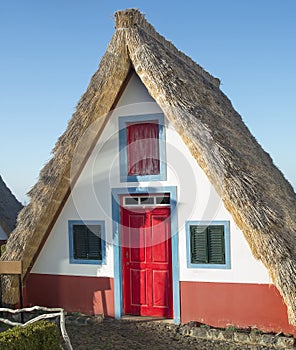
(135, 318)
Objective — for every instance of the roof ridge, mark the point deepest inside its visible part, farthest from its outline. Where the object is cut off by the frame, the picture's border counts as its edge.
(131, 18)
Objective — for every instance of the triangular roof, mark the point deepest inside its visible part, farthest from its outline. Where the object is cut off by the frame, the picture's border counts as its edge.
(261, 201)
(9, 208)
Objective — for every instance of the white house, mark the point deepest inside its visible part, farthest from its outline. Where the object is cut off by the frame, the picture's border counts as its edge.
(158, 201)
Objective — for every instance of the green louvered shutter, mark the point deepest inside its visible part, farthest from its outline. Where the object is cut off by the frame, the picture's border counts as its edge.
(199, 251)
(94, 242)
(80, 241)
(216, 245)
(87, 242)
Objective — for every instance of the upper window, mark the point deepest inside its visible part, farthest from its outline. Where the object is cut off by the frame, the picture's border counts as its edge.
(142, 148)
(87, 244)
(208, 244)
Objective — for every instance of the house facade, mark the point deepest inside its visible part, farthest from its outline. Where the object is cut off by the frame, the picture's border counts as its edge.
(144, 232)
(158, 201)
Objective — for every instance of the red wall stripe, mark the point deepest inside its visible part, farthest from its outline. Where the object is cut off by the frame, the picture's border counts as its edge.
(240, 304)
(217, 304)
(88, 295)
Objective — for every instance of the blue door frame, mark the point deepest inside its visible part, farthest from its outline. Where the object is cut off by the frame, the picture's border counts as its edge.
(118, 294)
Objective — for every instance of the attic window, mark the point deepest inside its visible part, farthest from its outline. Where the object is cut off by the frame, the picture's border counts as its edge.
(87, 242)
(142, 148)
(208, 244)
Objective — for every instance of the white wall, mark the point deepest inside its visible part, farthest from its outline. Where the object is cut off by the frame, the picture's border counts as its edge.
(197, 200)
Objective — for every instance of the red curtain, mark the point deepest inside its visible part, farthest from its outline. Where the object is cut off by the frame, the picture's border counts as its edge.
(143, 149)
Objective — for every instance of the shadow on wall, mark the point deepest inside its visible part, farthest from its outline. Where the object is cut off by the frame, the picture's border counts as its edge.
(100, 303)
(88, 295)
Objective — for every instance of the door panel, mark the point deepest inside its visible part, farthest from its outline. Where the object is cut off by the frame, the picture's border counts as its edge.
(138, 292)
(159, 283)
(146, 262)
(160, 239)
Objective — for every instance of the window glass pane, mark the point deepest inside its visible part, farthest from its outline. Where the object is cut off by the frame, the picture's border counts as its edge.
(143, 149)
(147, 200)
(131, 201)
(163, 200)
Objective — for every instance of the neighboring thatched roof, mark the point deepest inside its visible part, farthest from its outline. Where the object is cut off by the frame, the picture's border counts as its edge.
(9, 208)
(261, 201)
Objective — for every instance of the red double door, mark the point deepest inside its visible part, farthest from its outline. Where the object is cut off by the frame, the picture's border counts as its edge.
(147, 262)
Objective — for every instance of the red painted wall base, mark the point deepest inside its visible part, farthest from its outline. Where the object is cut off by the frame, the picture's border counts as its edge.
(238, 304)
(216, 304)
(88, 295)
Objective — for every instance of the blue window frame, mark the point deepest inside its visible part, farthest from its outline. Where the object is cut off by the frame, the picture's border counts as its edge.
(123, 147)
(87, 242)
(208, 244)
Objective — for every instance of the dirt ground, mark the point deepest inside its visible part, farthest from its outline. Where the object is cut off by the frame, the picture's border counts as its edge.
(135, 335)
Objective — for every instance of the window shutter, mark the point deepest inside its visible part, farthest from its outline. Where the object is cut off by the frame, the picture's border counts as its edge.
(80, 241)
(94, 242)
(199, 252)
(87, 242)
(216, 245)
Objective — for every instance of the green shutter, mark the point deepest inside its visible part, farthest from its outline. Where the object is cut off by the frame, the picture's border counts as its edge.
(87, 242)
(80, 241)
(94, 242)
(207, 244)
(216, 245)
(199, 251)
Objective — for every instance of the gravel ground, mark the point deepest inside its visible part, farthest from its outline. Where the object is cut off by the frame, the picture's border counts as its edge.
(135, 335)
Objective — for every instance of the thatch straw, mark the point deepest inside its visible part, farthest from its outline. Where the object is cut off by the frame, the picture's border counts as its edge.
(261, 201)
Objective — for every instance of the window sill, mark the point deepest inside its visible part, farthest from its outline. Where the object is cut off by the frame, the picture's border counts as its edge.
(208, 266)
(87, 262)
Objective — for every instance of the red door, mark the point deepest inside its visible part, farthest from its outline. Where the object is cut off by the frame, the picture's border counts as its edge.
(147, 262)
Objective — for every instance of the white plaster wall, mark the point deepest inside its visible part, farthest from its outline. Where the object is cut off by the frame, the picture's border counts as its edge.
(197, 200)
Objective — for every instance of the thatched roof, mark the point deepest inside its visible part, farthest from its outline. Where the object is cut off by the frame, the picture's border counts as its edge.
(261, 201)
(9, 208)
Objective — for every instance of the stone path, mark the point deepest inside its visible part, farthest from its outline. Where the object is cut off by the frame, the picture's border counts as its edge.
(141, 334)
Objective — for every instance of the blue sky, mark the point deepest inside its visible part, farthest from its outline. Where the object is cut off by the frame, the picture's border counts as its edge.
(50, 49)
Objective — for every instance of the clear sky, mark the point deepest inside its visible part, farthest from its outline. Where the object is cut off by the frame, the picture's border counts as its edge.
(50, 49)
